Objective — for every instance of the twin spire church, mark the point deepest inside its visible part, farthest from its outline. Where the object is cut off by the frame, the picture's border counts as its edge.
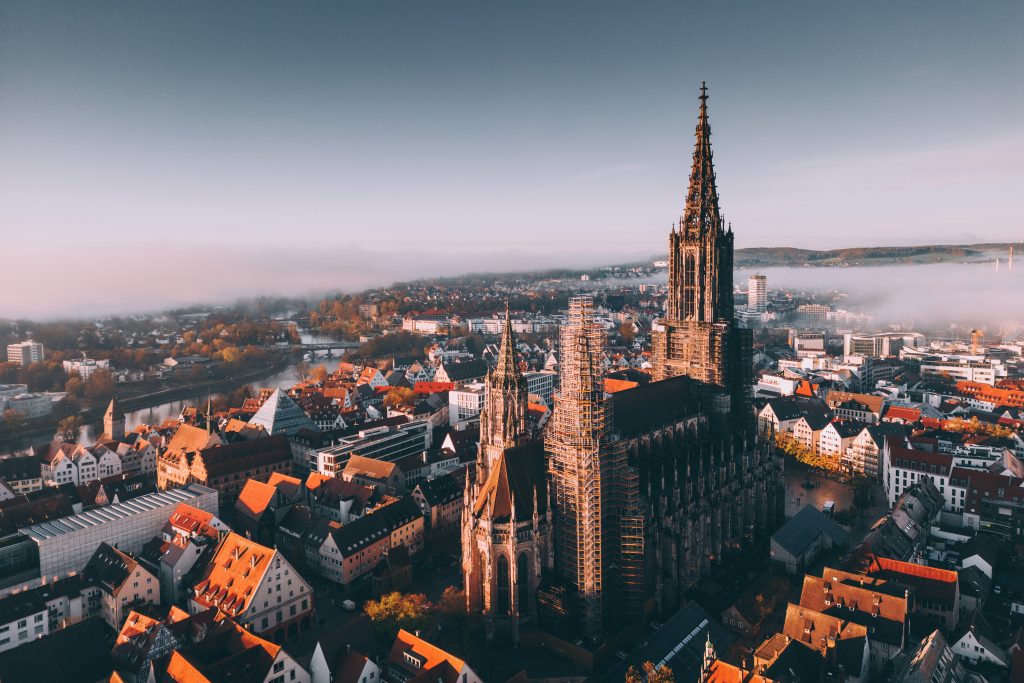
(625, 500)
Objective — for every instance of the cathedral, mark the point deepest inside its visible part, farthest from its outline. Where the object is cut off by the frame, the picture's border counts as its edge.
(628, 499)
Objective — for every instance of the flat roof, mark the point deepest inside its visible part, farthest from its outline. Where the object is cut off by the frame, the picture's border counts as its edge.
(150, 501)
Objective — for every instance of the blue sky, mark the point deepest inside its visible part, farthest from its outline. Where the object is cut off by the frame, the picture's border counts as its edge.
(377, 141)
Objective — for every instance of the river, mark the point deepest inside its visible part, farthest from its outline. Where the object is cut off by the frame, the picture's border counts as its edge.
(154, 415)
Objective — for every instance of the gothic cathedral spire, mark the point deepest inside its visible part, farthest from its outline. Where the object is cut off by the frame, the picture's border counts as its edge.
(698, 336)
(503, 417)
(700, 253)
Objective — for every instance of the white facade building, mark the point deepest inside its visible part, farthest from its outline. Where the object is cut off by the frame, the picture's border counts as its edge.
(85, 367)
(465, 403)
(25, 353)
(30, 406)
(757, 293)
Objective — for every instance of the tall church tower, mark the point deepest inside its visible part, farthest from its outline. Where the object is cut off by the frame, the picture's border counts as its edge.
(506, 534)
(698, 336)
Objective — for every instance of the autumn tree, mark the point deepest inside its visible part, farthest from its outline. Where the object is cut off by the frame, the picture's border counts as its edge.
(452, 602)
(302, 370)
(74, 387)
(649, 673)
(395, 611)
(399, 396)
(68, 428)
(319, 374)
(99, 387)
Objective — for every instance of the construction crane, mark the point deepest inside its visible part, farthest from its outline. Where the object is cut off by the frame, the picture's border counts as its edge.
(976, 335)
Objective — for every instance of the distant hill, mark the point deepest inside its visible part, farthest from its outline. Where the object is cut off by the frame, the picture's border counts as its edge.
(753, 257)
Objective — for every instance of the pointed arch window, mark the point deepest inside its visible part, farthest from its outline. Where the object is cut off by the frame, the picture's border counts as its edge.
(503, 585)
(523, 581)
(689, 286)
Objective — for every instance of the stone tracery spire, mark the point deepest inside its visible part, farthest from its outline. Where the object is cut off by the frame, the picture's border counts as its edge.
(506, 371)
(503, 418)
(702, 212)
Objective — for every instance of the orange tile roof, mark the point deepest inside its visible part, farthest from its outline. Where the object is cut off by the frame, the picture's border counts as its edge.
(369, 467)
(432, 655)
(235, 654)
(234, 575)
(314, 480)
(367, 375)
(287, 485)
(176, 614)
(902, 413)
(615, 385)
(190, 521)
(538, 409)
(919, 570)
(432, 387)
(136, 624)
(189, 439)
(814, 628)
(255, 498)
(721, 672)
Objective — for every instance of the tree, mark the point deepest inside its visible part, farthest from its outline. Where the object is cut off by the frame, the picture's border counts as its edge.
(13, 420)
(649, 674)
(302, 370)
(626, 332)
(99, 387)
(74, 387)
(319, 374)
(656, 675)
(399, 396)
(452, 603)
(394, 611)
(68, 428)
(231, 354)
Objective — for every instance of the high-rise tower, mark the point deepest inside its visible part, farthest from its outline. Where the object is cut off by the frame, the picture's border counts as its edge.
(757, 293)
(506, 536)
(698, 337)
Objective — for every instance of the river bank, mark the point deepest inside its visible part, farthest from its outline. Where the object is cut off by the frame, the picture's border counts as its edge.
(44, 429)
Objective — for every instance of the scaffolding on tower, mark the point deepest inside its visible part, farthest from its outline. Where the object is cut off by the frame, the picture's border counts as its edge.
(577, 436)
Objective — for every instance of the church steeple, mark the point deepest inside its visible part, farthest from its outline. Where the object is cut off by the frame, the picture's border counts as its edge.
(700, 252)
(506, 371)
(702, 213)
(503, 417)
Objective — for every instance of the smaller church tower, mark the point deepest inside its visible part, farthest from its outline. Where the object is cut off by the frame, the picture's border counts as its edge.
(113, 422)
(506, 532)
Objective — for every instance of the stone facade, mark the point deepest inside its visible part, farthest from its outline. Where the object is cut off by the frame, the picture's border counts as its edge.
(506, 533)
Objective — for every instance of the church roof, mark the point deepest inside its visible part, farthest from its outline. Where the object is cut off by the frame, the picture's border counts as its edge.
(517, 476)
(652, 405)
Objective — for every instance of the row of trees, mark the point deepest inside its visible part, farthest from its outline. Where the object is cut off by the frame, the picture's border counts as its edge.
(796, 450)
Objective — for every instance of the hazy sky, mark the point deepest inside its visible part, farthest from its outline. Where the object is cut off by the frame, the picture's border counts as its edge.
(160, 153)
